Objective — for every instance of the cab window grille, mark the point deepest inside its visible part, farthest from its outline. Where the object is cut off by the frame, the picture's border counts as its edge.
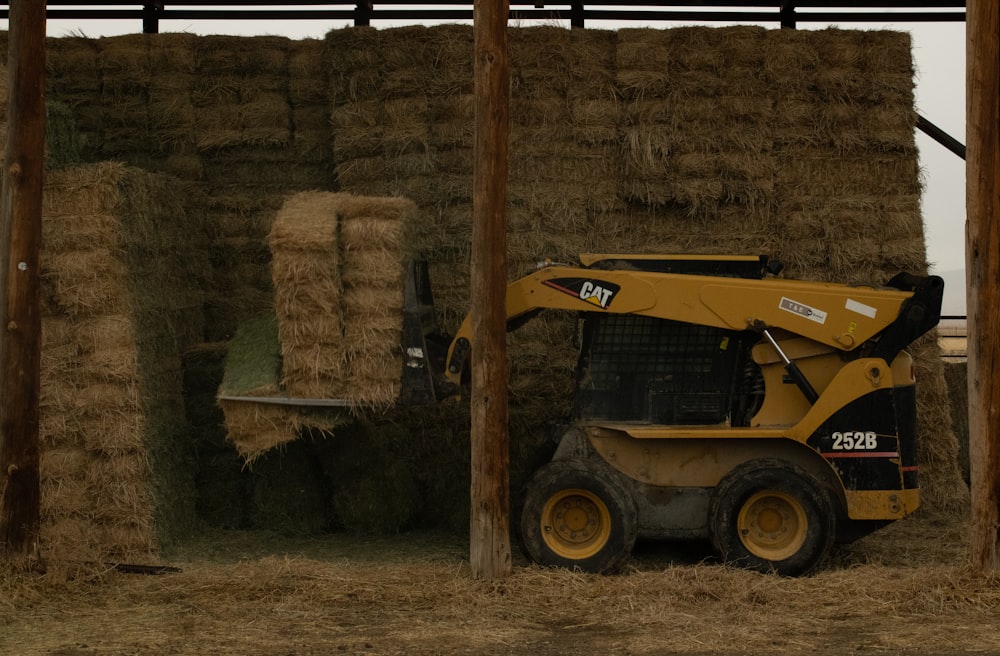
(636, 368)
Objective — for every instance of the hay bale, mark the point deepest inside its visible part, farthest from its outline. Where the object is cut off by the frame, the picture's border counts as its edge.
(72, 79)
(172, 116)
(224, 490)
(308, 86)
(288, 492)
(372, 489)
(941, 483)
(63, 144)
(305, 269)
(256, 428)
(956, 378)
(240, 92)
(112, 414)
(253, 359)
(221, 482)
(337, 266)
(337, 263)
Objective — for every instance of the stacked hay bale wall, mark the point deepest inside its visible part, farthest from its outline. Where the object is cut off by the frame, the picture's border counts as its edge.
(119, 287)
(246, 118)
(249, 148)
(695, 140)
(744, 140)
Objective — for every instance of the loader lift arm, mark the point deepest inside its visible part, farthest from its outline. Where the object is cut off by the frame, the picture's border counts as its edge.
(879, 321)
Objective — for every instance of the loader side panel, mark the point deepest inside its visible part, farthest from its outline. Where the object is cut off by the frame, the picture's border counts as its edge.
(868, 445)
(906, 425)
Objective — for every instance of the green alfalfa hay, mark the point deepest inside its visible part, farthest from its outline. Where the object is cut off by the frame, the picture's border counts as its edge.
(253, 359)
(63, 143)
(253, 368)
(166, 291)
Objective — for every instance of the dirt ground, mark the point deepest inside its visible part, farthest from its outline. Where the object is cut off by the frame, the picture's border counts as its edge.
(905, 590)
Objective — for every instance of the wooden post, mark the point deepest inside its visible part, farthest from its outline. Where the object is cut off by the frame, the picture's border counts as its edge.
(20, 241)
(982, 263)
(490, 512)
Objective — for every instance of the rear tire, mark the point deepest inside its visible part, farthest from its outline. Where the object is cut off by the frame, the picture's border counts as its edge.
(576, 517)
(772, 516)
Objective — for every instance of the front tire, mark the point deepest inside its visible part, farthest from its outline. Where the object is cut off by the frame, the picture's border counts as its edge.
(577, 517)
(772, 516)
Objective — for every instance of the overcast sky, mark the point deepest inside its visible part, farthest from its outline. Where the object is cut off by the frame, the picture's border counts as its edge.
(939, 56)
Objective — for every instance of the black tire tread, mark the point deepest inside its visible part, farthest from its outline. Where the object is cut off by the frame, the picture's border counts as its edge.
(561, 474)
(780, 475)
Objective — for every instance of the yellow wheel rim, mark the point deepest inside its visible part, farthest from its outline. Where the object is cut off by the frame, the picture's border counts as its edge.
(576, 524)
(772, 525)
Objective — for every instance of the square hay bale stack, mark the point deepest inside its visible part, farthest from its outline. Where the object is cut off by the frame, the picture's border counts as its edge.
(240, 92)
(246, 118)
(73, 79)
(337, 265)
(308, 85)
(306, 272)
(337, 270)
(118, 284)
(728, 140)
(697, 114)
(257, 140)
(172, 118)
(374, 240)
(126, 72)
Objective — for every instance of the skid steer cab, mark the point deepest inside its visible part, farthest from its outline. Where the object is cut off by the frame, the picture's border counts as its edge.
(717, 401)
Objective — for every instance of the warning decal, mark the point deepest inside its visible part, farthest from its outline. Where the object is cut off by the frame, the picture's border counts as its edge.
(803, 310)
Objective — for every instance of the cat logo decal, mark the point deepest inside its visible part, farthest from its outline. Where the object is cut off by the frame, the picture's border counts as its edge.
(596, 292)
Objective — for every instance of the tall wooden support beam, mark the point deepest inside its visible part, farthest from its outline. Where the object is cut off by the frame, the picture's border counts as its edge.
(20, 241)
(982, 262)
(490, 512)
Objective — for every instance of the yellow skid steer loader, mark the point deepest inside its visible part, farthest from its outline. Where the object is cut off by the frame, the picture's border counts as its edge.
(718, 401)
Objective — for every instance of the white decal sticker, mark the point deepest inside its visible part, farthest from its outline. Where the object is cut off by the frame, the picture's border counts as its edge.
(596, 294)
(801, 309)
(855, 441)
(860, 308)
